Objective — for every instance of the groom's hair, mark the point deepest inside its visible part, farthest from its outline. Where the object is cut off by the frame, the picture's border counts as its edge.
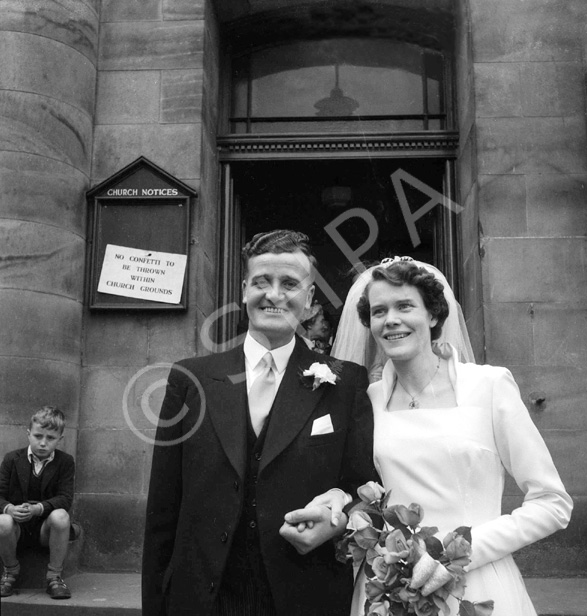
(277, 242)
(403, 272)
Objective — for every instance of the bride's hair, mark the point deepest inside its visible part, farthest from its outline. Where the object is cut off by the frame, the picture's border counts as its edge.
(399, 273)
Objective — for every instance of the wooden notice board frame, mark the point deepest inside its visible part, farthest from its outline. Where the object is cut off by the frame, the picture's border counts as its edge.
(140, 207)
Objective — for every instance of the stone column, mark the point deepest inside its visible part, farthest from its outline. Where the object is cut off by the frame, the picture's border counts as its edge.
(47, 82)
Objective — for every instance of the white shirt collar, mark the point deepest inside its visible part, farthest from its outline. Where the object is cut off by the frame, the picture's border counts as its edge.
(37, 461)
(254, 352)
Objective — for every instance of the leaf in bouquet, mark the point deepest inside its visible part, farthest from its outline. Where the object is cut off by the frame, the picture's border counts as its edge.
(342, 549)
(434, 547)
(357, 553)
(464, 531)
(466, 609)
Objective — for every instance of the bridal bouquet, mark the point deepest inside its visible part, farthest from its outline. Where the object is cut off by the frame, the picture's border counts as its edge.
(408, 570)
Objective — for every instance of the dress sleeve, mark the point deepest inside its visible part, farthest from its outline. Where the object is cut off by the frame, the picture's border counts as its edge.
(547, 506)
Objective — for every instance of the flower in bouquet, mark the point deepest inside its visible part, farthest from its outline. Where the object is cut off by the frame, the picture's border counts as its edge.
(408, 569)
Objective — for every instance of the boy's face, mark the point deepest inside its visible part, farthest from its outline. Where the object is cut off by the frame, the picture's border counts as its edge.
(43, 441)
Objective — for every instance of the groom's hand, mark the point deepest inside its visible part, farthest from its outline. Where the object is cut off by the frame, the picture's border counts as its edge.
(308, 528)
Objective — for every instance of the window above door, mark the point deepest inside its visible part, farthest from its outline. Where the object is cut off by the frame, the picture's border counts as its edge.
(339, 85)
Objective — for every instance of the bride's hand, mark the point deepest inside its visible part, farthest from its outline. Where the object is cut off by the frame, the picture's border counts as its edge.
(310, 527)
(334, 499)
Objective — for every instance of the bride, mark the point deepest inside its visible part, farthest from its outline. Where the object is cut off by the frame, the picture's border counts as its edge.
(447, 430)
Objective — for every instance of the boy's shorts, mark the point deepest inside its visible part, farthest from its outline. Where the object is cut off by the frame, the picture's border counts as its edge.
(30, 533)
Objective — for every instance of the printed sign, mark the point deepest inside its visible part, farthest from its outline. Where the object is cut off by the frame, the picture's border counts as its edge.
(143, 274)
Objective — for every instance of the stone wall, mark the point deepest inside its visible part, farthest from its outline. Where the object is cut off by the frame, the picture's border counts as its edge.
(47, 82)
(531, 151)
(150, 92)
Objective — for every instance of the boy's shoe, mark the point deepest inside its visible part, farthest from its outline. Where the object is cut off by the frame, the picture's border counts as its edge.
(57, 588)
(7, 583)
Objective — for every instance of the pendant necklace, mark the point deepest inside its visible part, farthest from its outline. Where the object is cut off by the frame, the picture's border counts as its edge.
(414, 404)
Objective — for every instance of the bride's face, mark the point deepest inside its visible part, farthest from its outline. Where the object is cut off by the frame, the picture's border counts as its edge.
(400, 323)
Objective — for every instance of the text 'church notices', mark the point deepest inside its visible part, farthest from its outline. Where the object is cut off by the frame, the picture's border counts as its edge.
(143, 274)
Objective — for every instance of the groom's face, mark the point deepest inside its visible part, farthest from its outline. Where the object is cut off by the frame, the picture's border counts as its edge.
(278, 288)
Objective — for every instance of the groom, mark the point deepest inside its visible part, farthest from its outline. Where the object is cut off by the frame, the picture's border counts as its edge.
(254, 441)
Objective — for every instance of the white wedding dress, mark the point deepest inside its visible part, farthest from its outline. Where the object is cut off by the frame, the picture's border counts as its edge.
(452, 462)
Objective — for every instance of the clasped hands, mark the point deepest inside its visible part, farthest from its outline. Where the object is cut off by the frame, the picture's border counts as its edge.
(320, 520)
(24, 512)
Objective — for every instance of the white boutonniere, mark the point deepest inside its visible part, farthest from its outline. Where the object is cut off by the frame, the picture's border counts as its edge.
(319, 373)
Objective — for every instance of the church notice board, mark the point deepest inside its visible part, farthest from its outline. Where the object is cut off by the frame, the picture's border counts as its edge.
(140, 240)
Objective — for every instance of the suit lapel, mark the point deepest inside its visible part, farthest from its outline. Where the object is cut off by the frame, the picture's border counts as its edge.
(23, 469)
(293, 404)
(226, 402)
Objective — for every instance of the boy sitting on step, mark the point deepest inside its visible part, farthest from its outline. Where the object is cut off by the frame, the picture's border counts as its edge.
(36, 492)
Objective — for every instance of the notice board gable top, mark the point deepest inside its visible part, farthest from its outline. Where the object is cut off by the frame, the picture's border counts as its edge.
(141, 207)
(144, 177)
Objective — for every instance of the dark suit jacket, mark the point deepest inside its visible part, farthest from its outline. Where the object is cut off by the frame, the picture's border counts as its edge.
(56, 481)
(196, 495)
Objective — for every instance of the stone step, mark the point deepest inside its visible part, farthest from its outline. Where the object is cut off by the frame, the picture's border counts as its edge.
(118, 594)
(93, 594)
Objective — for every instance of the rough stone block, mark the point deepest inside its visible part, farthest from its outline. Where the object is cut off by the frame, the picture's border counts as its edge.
(508, 31)
(555, 145)
(174, 147)
(552, 88)
(556, 204)
(152, 45)
(497, 90)
(41, 66)
(114, 339)
(128, 97)
(45, 127)
(570, 457)
(500, 145)
(42, 190)
(181, 96)
(468, 222)
(41, 258)
(502, 205)
(40, 325)
(183, 9)
(508, 334)
(560, 332)
(564, 392)
(113, 527)
(534, 270)
(171, 338)
(110, 462)
(130, 10)
(103, 396)
(55, 383)
(71, 22)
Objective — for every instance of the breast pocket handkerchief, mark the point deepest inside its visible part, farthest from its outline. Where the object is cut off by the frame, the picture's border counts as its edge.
(322, 425)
